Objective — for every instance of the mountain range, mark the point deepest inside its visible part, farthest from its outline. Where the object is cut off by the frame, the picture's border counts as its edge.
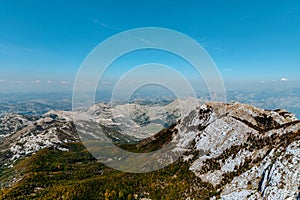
(227, 151)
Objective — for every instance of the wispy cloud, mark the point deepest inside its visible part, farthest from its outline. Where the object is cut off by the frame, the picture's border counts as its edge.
(284, 79)
(147, 41)
(65, 82)
(36, 81)
(104, 25)
(13, 49)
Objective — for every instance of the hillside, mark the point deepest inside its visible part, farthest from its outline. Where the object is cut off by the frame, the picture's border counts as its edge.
(229, 151)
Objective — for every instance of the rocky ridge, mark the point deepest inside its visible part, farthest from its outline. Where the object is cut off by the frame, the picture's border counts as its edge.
(245, 152)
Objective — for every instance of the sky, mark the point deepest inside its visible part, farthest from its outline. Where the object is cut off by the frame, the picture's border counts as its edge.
(43, 43)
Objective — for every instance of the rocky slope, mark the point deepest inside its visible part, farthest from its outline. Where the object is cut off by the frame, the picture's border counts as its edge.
(241, 151)
(22, 136)
(245, 152)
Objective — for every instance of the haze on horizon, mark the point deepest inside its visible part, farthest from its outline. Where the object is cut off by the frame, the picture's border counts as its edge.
(255, 44)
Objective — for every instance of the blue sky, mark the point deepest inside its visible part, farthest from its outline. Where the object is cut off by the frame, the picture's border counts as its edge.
(43, 43)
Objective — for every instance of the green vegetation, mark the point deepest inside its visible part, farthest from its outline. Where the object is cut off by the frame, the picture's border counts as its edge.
(153, 143)
(75, 174)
